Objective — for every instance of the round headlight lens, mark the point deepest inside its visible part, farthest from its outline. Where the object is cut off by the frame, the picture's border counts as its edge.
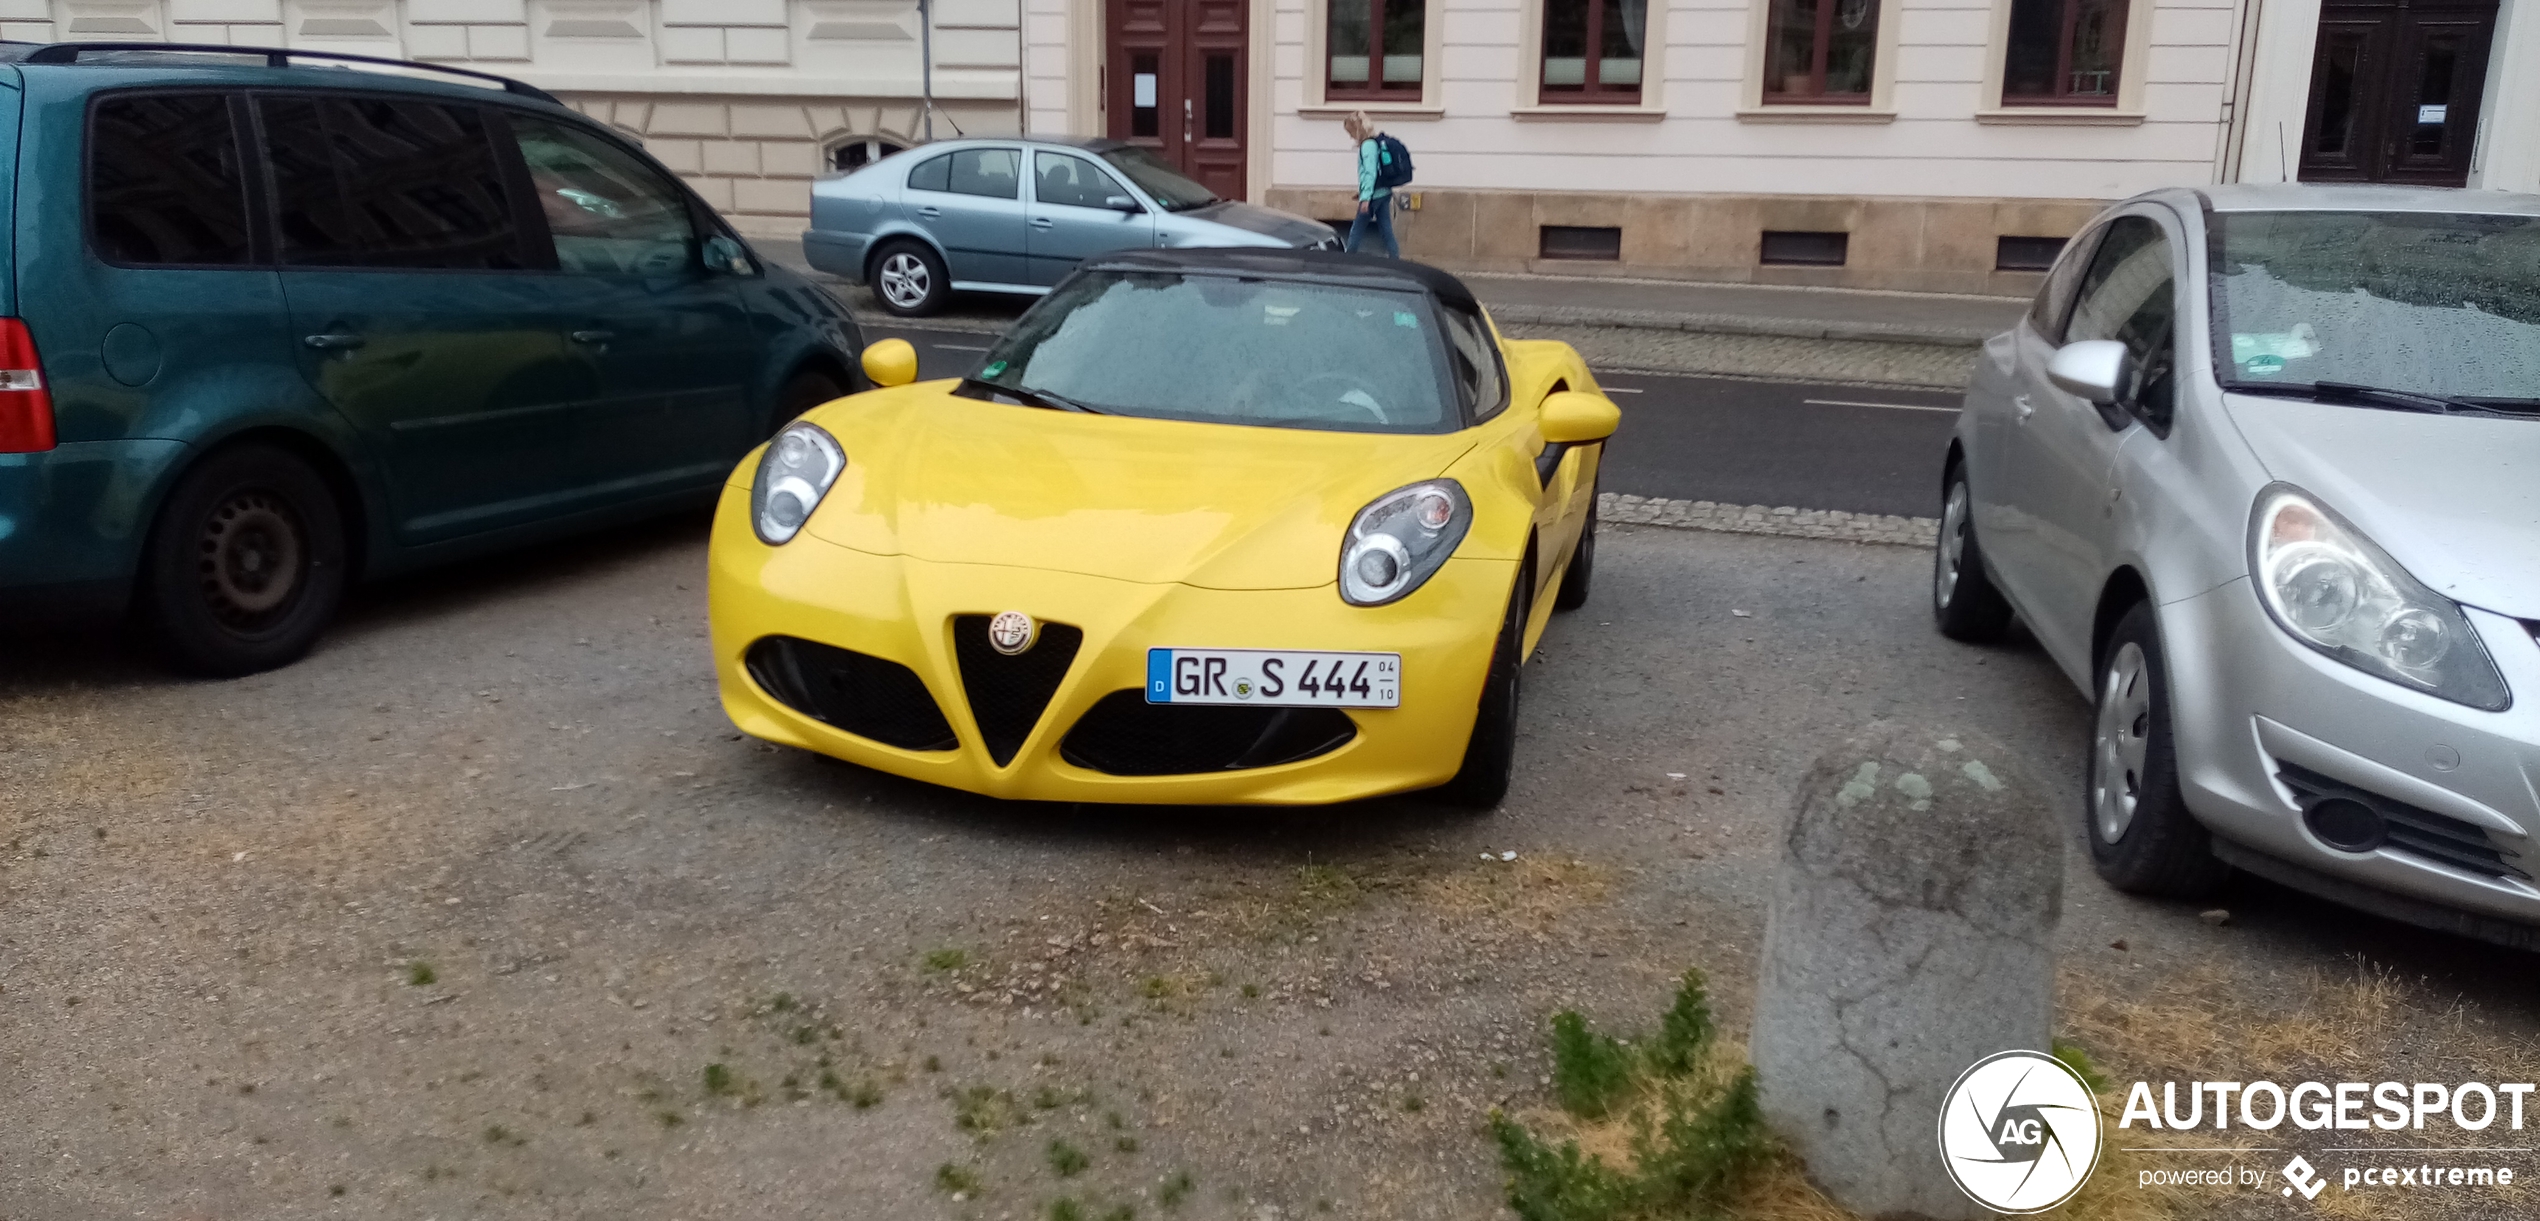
(2319, 588)
(2414, 639)
(1401, 539)
(794, 472)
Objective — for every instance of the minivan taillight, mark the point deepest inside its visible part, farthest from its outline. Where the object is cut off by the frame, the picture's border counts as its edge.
(26, 407)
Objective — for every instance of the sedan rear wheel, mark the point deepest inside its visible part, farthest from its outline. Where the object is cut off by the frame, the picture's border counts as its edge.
(909, 280)
(2142, 838)
(245, 564)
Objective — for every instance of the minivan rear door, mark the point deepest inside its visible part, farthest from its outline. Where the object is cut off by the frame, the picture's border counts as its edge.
(423, 308)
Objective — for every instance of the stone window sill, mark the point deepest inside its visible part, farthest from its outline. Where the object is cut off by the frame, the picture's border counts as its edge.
(2060, 116)
(1404, 111)
(1590, 112)
(1815, 114)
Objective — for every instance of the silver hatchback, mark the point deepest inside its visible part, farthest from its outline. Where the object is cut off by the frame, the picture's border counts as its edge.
(1015, 216)
(2261, 472)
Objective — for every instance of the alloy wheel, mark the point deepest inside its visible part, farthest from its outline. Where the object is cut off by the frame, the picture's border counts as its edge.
(1953, 545)
(905, 280)
(2119, 741)
(250, 557)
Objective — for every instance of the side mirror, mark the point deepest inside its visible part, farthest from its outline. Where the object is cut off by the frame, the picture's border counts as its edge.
(1575, 417)
(722, 254)
(2099, 371)
(890, 362)
(1122, 203)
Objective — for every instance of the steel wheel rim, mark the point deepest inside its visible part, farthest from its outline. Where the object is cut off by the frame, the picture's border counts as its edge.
(251, 558)
(905, 281)
(2120, 741)
(1953, 545)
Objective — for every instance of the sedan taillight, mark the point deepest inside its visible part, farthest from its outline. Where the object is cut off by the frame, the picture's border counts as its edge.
(26, 407)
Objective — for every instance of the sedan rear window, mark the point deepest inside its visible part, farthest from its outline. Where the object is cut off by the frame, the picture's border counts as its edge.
(1232, 350)
(2432, 303)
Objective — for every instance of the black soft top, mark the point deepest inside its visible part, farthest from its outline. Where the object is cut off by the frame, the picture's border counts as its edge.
(1325, 266)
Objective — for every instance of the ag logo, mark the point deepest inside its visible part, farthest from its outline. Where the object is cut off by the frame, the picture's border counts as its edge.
(1012, 632)
(2019, 1132)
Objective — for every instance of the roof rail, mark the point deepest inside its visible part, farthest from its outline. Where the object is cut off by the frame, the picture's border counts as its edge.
(275, 57)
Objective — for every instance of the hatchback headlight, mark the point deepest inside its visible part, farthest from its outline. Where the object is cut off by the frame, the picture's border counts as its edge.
(1401, 540)
(794, 472)
(2329, 586)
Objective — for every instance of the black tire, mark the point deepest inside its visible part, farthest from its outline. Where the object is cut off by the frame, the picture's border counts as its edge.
(2143, 840)
(909, 278)
(802, 392)
(1964, 602)
(244, 567)
(1490, 755)
(1575, 579)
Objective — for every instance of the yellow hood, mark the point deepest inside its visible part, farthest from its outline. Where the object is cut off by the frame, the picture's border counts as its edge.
(1220, 506)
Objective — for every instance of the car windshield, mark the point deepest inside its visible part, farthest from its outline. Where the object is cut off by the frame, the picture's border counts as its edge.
(2434, 304)
(1170, 190)
(1232, 350)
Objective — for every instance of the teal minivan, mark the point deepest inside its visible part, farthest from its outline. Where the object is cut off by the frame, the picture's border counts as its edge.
(274, 321)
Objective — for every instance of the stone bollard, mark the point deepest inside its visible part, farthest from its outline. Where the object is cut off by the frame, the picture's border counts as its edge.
(1911, 934)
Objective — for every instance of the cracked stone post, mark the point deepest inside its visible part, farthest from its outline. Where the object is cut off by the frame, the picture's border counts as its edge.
(1911, 934)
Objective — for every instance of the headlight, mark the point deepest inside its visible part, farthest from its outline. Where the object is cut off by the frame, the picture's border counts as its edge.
(2329, 586)
(1402, 540)
(794, 472)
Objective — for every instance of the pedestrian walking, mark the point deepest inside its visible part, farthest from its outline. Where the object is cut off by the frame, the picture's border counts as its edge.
(1383, 164)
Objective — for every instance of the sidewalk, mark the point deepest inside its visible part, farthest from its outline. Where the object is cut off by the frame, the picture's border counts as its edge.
(1635, 304)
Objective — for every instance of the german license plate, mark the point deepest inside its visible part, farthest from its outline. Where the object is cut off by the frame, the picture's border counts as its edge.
(1281, 678)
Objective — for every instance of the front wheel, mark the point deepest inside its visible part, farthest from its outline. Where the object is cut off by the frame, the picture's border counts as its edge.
(1490, 755)
(244, 566)
(1964, 602)
(1582, 570)
(2142, 838)
(909, 279)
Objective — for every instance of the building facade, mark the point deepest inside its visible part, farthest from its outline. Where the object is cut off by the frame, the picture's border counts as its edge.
(1942, 145)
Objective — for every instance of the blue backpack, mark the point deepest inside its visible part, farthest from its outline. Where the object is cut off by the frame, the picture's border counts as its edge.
(1393, 163)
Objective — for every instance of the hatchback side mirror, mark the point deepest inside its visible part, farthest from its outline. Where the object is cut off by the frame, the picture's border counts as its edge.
(2099, 371)
(1122, 203)
(890, 362)
(1574, 417)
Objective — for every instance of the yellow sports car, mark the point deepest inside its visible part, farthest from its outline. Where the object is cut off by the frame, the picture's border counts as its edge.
(1206, 526)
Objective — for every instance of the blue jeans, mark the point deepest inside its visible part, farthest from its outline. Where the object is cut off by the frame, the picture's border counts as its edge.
(1376, 214)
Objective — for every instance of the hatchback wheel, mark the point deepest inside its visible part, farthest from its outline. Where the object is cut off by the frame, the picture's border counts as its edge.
(244, 566)
(909, 279)
(2142, 838)
(1963, 600)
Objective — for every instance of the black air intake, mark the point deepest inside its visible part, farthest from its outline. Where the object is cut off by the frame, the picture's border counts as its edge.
(865, 696)
(2334, 808)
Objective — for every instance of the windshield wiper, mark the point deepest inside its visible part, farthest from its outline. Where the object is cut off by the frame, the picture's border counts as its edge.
(1029, 397)
(2353, 394)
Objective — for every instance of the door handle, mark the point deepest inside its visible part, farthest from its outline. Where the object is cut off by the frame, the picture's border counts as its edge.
(930, 211)
(2026, 408)
(1042, 222)
(334, 342)
(593, 337)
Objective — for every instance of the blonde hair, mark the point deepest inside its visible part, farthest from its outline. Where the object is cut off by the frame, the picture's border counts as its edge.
(1358, 125)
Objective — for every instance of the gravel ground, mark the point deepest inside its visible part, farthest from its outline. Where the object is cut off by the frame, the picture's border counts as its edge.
(484, 910)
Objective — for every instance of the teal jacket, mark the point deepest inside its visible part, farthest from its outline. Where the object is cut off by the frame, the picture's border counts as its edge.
(1367, 188)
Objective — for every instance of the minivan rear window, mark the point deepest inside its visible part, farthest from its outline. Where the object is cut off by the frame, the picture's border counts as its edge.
(164, 184)
(370, 182)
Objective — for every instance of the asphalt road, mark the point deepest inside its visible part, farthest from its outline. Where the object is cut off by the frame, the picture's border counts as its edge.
(1730, 440)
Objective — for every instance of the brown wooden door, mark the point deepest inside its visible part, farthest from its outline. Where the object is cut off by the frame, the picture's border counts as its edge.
(1177, 83)
(2395, 90)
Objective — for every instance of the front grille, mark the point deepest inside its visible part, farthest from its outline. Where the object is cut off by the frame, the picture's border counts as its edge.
(1124, 735)
(864, 696)
(1008, 694)
(2413, 829)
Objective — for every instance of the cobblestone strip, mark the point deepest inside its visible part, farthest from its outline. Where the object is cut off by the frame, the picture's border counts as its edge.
(1762, 519)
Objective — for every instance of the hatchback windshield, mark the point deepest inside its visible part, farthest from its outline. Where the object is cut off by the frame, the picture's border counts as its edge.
(1170, 190)
(2431, 303)
(1231, 350)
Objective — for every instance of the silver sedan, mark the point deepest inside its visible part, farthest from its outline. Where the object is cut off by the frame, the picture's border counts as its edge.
(1015, 216)
(2261, 472)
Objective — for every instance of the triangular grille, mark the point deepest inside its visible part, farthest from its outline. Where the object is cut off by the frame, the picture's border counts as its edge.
(1008, 694)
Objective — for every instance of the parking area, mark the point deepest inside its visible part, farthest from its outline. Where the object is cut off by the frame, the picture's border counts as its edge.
(484, 909)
